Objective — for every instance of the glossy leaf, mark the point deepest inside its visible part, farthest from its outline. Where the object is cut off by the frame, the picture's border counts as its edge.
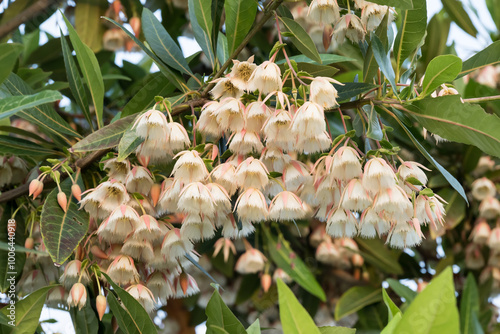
(9, 53)
(128, 143)
(200, 16)
(28, 312)
(488, 56)
(90, 70)
(88, 22)
(326, 59)
(469, 307)
(85, 320)
(352, 89)
(301, 39)
(373, 131)
(132, 318)
(294, 317)
(107, 137)
(457, 13)
(162, 43)
(240, 16)
(355, 299)
(434, 310)
(22, 147)
(222, 48)
(62, 231)
(440, 70)
(220, 316)
(392, 309)
(9, 106)
(411, 32)
(370, 66)
(384, 61)
(280, 252)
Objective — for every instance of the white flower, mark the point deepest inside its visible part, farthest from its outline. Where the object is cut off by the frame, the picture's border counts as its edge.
(207, 123)
(160, 285)
(230, 229)
(143, 295)
(224, 88)
(189, 167)
(77, 296)
(372, 223)
(286, 206)
(72, 274)
(169, 196)
(251, 173)
(224, 174)
(309, 120)
(197, 227)
(494, 240)
(345, 164)
(323, 92)
(278, 132)
(220, 197)
(481, 232)
(257, 114)
(394, 202)
(196, 198)
(99, 202)
(119, 224)
(245, 142)
(349, 26)
(430, 209)
(378, 175)
(141, 250)
(148, 229)
(231, 114)
(373, 14)
(324, 11)
(274, 159)
(122, 270)
(241, 73)
(266, 78)
(355, 197)
(251, 206)
(405, 235)
(250, 262)
(329, 253)
(282, 275)
(139, 180)
(318, 143)
(295, 174)
(174, 246)
(489, 208)
(152, 125)
(117, 170)
(179, 138)
(483, 188)
(185, 286)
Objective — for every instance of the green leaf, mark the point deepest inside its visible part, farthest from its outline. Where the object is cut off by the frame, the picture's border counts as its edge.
(240, 16)
(391, 326)
(457, 13)
(200, 16)
(128, 143)
(254, 328)
(370, 66)
(384, 61)
(301, 39)
(440, 70)
(411, 32)
(450, 178)
(374, 130)
(469, 307)
(352, 89)
(132, 318)
(85, 320)
(222, 48)
(438, 29)
(488, 56)
(75, 81)
(336, 330)
(22, 147)
(13, 104)
(326, 59)
(281, 255)
(465, 123)
(19, 249)
(88, 22)
(28, 312)
(9, 54)
(392, 309)
(402, 290)
(355, 299)
(219, 315)
(162, 44)
(294, 317)
(107, 137)
(90, 70)
(403, 4)
(62, 231)
(434, 310)
(375, 252)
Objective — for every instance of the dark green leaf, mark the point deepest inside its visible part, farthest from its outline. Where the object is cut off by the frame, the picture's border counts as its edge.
(403, 4)
(128, 143)
(200, 16)
(440, 70)
(219, 315)
(375, 252)
(370, 66)
(22, 147)
(240, 16)
(384, 61)
(301, 39)
(222, 48)
(469, 307)
(326, 59)
(488, 56)
(9, 53)
(13, 104)
(352, 89)
(402, 290)
(355, 299)
(457, 13)
(392, 309)
(88, 22)
(85, 320)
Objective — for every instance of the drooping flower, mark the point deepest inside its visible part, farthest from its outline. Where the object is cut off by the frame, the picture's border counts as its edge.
(189, 167)
(242, 72)
(122, 270)
(378, 175)
(349, 26)
(224, 174)
(251, 262)
(266, 78)
(323, 92)
(224, 87)
(152, 125)
(196, 198)
(483, 188)
(139, 180)
(355, 197)
(251, 206)
(77, 296)
(286, 206)
(324, 11)
(245, 142)
(341, 223)
(143, 295)
(251, 173)
(230, 115)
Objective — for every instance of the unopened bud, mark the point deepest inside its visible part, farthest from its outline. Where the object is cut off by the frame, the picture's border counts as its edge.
(357, 260)
(135, 23)
(77, 192)
(97, 252)
(77, 296)
(62, 200)
(100, 305)
(183, 280)
(155, 193)
(29, 243)
(265, 282)
(35, 188)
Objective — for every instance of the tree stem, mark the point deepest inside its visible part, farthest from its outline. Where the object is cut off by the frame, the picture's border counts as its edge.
(483, 99)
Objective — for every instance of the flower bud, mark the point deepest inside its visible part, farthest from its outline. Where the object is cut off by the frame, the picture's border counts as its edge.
(77, 296)
(62, 200)
(265, 282)
(357, 260)
(481, 232)
(77, 192)
(97, 252)
(155, 193)
(183, 281)
(35, 188)
(29, 243)
(100, 305)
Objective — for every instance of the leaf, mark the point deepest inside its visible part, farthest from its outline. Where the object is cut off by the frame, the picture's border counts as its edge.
(336, 330)
(27, 312)
(75, 81)
(374, 130)
(370, 66)
(90, 70)
(457, 13)
(43, 115)
(220, 315)
(326, 59)
(450, 178)
(352, 89)
(384, 61)
(128, 143)
(22, 147)
(402, 290)
(240, 15)
(403, 4)
(469, 307)
(62, 231)
(88, 23)
(488, 56)
(355, 299)
(389, 329)
(162, 44)
(11, 105)
(294, 317)
(440, 70)
(375, 252)
(392, 309)
(132, 318)
(434, 310)
(85, 320)
(254, 328)
(9, 54)
(301, 39)
(295, 268)
(222, 48)
(19, 249)
(200, 16)
(107, 137)
(411, 32)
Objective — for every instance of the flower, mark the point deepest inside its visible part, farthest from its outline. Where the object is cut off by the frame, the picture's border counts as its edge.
(224, 88)
(324, 11)
(151, 125)
(220, 197)
(251, 206)
(295, 174)
(72, 274)
(139, 180)
(278, 132)
(100, 305)
(286, 206)
(341, 223)
(169, 196)
(372, 223)
(483, 188)
(226, 245)
(197, 227)
(141, 250)
(35, 188)
(122, 270)
(250, 262)
(481, 232)
(143, 295)
(242, 72)
(77, 296)
(251, 173)
(274, 159)
(196, 198)
(329, 253)
(231, 230)
(413, 169)
(174, 246)
(345, 164)
(189, 167)
(160, 285)
(349, 26)
(185, 286)
(373, 14)
(430, 209)
(489, 208)
(224, 174)
(405, 234)
(309, 120)
(120, 223)
(494, 240)
(378, 175)
(231, 114)
(99, 202)
(207, 123)
(318, 143)
(323, 92)
(282, 275)
(355, 196)
(257, 114)
(178, 139)
(245, 142)
(266, 78)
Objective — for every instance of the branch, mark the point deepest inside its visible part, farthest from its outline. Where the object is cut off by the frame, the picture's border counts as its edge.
(26, 15)
(268, 13)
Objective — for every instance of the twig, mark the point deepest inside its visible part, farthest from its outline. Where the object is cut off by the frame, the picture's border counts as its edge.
(483, 99)
(26, 15)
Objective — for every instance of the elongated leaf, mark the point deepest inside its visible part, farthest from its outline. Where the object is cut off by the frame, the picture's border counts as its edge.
(162, 43)
(370, 66)
(440, 70)
(355, 299)
(326, 59)
(384, 61)
(254, 328)
(294, 317)
(434, 310)
(301, 39)
(220, 316)
(240, 15)
(200, 16)
(43, 116)
(217, 9)
(27, 312)
(222, 48)
(392, 309)
(62, 231)
(375, 252)
(88, 22)
(351, 89)
(391, 326)
(438, 29)
(85, 320)
(411, 32)
(374, 131)
(11, 105)
(22, 147)
(402, 290)
(457, 13)
(19, 249)
(469, 307)
(107, 137)
(280, 252)
(488, 56)
(9, 53)
(336, 330)
(403, 4)
(132, 318)
(75, 81)
(128, 143)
